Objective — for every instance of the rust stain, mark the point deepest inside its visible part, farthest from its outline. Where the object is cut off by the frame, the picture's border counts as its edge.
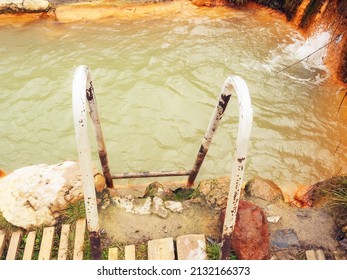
(90, 92)
(2, 173)
(95, 245)
(226, 243)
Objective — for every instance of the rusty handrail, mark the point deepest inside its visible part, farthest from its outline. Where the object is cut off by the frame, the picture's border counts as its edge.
(148, 174)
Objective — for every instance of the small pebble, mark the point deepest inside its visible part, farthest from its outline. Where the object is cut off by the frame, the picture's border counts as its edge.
(273, 219)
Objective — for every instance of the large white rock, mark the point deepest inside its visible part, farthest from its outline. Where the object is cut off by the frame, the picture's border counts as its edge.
(35, 195)
(31, 6)
(35, 5)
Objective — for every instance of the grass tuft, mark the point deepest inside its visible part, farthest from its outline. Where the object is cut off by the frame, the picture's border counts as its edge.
(74, 212)
(212, 251)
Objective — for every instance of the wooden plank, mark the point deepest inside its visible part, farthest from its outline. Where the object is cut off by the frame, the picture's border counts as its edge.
(29, 246)
(129, 252)
(79, 239)
(64, 242)
(161, 249)
(2, 242)
(113, 254)
(191, 247)
(320, 255)
(315, 255)
(14, 245)
(46, 243)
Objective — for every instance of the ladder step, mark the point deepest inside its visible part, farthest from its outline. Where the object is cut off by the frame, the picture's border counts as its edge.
(14, 245)
(29, 246)
(129, 175)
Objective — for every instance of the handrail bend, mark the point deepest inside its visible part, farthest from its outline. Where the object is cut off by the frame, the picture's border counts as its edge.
(240, 153)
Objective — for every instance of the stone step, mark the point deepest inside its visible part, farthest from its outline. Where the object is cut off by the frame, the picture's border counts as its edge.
(188, 247)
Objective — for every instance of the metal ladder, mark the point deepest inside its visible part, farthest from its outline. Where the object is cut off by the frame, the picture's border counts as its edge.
(84, 100)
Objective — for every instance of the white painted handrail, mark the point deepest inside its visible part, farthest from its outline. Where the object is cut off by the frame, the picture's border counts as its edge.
(83, 101)
(240, 155)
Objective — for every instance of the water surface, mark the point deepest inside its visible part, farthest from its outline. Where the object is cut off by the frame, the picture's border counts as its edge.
(157, 82)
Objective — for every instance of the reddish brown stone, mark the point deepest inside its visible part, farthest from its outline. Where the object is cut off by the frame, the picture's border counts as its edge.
(304, 196)
(2, 173)
(264, 189)
(250, 238)
(99, 182)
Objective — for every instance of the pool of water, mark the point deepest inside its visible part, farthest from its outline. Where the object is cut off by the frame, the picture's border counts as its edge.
(157, 82)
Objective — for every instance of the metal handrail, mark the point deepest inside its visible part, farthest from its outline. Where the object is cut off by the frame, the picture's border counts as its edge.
(84, 100)
(240, 155)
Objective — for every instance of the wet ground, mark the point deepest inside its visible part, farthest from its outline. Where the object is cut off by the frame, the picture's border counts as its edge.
(128, 228)
(314, 227)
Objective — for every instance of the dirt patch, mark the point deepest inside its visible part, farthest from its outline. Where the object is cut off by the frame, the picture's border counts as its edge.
(315, 228)
(128, 228)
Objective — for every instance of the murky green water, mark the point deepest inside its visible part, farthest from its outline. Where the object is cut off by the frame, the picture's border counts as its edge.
(157, 82)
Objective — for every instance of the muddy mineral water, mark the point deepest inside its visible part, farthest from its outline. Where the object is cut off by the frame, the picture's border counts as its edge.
(157, 82)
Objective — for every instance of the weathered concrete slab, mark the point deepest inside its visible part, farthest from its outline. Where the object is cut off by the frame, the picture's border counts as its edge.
(191, 247)
(161, 249)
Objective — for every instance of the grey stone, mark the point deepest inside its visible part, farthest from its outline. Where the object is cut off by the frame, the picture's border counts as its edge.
(343, 243)
(284, 238)
(174, 206)
(143, 208)
(273, 219)
(158, 207)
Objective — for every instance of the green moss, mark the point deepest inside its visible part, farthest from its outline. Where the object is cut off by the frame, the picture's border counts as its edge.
(184, 194)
